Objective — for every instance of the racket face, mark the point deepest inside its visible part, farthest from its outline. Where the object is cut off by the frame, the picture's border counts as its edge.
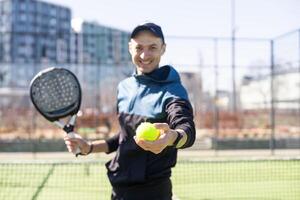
(56, 93)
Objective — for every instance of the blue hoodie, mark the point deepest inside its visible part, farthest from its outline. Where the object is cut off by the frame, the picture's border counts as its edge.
(155, 97)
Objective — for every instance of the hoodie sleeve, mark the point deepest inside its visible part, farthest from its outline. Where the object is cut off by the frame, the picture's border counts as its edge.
(180, 116)
(112, 143)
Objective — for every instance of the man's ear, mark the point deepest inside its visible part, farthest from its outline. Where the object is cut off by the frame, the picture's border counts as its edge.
(130, 47)
(163, 49)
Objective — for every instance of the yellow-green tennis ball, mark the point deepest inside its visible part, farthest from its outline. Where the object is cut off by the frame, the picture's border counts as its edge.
(147, 131)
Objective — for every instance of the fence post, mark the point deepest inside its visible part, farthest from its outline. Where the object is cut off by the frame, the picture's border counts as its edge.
(299, 68)
(272, 117)
(216, 98)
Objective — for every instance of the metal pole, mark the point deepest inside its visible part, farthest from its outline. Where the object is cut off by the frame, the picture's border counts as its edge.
(299, 72)
(233, 55)
(216, 98)
(272, 117)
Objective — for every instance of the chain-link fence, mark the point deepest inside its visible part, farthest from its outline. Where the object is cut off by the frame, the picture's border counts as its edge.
(245, 93)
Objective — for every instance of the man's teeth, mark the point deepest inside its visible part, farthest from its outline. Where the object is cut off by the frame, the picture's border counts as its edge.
(146, 62)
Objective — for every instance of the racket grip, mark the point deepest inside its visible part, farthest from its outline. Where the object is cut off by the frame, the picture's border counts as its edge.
(77, 151)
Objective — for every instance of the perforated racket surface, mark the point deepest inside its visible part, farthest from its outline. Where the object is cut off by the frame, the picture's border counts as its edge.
(56, 93)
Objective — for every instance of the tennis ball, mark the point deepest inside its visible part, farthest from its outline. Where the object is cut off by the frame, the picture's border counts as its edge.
(147, 131)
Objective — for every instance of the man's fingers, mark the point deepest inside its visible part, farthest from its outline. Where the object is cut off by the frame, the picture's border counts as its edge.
(71, 147)
(72, 142)
(162, 126)
(72, 139)
(142, 143)
(72, 135)
(153, 146)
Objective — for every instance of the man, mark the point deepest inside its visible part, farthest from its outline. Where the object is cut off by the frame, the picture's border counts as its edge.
(142, 169)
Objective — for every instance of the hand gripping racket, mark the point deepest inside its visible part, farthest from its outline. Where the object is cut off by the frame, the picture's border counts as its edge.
(56, 93)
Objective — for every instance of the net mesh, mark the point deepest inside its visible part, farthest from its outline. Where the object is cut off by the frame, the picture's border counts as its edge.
(215, 179)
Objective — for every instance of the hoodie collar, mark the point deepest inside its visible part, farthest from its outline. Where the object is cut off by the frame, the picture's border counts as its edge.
(162, 74)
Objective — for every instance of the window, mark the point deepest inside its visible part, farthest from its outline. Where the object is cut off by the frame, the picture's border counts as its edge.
(23, 17)
(22, 6)
(6, 7)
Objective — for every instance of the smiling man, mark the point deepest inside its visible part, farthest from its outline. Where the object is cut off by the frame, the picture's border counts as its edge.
(146, 47)
(142, 169)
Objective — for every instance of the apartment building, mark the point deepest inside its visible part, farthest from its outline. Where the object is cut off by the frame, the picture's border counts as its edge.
(32, 31)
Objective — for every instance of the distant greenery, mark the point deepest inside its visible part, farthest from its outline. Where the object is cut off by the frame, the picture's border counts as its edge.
(86, 130)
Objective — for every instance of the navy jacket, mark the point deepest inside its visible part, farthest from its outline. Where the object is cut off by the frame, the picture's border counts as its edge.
(155, 97)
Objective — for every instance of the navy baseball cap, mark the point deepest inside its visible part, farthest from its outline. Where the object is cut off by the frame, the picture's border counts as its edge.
(153, 28)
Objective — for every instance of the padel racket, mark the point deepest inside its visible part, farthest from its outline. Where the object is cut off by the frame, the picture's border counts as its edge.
(56, 94)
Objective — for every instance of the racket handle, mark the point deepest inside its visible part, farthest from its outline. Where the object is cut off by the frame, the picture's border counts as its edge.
(77, 151)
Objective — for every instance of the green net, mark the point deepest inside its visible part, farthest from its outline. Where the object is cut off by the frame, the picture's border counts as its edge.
(217, 179)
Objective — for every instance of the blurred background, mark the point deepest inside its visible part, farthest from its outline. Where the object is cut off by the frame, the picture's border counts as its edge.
(238, 59)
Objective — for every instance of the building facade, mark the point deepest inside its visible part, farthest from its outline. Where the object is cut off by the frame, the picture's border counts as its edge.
(35, 35)
(256, 92)
(92, 43)
(34, 31)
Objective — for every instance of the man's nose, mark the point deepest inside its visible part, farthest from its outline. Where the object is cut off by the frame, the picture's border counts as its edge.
(144, 55)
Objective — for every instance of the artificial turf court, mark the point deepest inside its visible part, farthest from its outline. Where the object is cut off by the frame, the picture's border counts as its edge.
(217, 179)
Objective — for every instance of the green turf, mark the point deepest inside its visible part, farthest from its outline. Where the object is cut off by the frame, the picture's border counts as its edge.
(255, 180)
(230, 180)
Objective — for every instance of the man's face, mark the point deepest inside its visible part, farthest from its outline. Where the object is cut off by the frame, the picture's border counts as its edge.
(146, 50)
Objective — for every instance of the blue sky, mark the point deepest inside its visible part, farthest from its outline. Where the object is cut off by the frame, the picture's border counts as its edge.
(212, 18)
(254, 18)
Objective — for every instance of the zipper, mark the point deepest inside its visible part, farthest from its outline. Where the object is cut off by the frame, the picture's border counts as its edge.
(133, 100)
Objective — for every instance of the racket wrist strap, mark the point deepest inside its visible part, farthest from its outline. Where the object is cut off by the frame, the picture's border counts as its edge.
(91, 148)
